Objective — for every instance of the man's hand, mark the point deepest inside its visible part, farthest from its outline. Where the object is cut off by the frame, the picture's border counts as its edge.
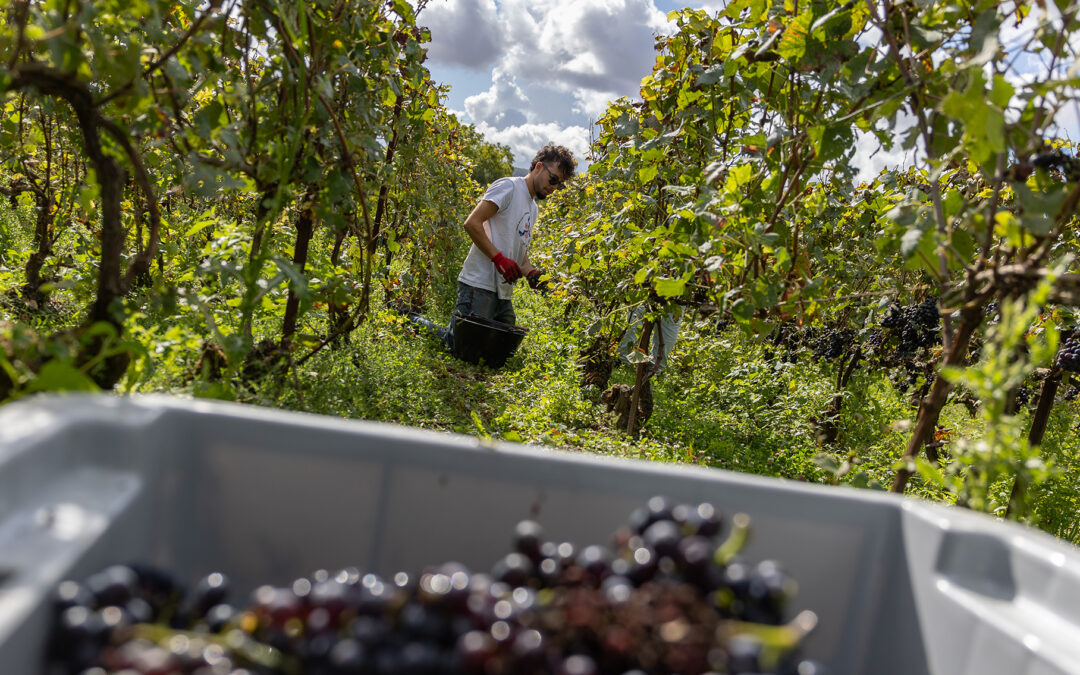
(507, 267)
(533, 277)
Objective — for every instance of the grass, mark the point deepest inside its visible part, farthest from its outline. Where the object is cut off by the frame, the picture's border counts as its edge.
(721, 401)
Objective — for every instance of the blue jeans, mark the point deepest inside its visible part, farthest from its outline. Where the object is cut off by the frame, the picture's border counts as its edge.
(470, 300)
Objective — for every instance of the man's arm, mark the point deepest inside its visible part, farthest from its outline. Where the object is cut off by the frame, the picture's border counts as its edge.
(474, 225)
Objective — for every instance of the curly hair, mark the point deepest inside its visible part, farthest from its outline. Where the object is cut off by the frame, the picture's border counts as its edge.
(562, 157)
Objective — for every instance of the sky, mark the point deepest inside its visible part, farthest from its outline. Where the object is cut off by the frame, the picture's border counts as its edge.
(528, 72)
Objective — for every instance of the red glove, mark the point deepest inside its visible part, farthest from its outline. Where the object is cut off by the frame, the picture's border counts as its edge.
(533, 277)
(507, 267)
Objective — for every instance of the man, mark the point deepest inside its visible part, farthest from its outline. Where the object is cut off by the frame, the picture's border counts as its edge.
(501, 228)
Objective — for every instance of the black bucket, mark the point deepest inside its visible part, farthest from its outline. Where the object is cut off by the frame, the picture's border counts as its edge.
(478, 339)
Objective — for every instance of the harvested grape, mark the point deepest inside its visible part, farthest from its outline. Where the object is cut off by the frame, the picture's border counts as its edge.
(669, 595)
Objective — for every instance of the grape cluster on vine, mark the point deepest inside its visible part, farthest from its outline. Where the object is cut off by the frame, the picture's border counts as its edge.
(1057, 161)
(915, 326)
(1023, 396)
(667, 596)
(907, 336)
(833, 343)
(1068, 357)
(874, 338)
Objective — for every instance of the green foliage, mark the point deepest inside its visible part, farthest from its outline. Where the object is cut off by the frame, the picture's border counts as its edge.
(240, 191)
(14, 236)
(490, 161)
(982, 471)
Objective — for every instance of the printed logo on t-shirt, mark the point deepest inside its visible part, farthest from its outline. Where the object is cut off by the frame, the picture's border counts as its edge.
(524, 227)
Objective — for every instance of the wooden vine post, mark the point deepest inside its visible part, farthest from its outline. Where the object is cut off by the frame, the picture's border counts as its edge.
(930, 409)
(641, 378)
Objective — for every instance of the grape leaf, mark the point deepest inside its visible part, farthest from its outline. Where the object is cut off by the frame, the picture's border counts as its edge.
(793, 43)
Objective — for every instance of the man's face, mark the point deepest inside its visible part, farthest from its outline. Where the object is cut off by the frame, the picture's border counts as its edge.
(547, 180)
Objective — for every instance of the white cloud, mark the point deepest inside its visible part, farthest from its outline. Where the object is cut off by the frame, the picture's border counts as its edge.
(593, 104)
(597, 45)
(525, 139)
(463, 32)
(556, 67)
(501, 106)
(711, 5)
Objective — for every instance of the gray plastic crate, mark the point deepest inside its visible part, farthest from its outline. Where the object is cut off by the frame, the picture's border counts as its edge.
(900, 586)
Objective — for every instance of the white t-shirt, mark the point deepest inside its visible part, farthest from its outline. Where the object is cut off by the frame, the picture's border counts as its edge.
(510, 229)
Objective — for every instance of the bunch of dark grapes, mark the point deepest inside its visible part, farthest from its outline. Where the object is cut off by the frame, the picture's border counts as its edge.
(894, 318)
(1023, 396)
(914, 327)
(833, 343)
(1071, 393)
(668, 596)
(1068, 357)
(925, 315)
(1057, 161)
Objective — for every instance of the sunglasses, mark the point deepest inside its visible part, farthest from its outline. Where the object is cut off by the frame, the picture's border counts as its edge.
(552, 178)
